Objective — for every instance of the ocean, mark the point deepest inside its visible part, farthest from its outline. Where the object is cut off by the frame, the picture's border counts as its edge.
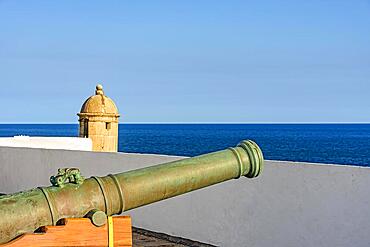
(347, 144)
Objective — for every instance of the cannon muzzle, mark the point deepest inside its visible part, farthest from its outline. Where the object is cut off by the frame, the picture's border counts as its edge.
(73, 196)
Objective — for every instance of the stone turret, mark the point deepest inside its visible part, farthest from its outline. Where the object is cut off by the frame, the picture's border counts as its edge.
(99, 121)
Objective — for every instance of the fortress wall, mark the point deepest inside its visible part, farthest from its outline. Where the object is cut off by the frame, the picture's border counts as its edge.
(290, 204)
(66, 143)
(24, 168)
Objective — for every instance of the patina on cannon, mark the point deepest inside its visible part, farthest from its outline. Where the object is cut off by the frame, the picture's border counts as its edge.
(73, 196)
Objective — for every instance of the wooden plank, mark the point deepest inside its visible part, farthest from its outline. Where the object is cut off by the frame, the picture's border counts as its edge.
(78, 232)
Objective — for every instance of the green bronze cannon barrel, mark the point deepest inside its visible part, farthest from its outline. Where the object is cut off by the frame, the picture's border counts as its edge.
(72, 196)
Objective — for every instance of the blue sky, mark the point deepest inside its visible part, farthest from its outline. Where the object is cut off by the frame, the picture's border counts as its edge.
(187, 61)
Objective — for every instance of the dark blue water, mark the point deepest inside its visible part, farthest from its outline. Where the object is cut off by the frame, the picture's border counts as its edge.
(321, 143)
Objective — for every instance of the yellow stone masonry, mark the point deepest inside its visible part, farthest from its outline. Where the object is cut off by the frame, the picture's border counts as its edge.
(99, 121)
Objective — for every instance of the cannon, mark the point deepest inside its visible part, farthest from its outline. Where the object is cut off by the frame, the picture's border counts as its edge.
(73, 196)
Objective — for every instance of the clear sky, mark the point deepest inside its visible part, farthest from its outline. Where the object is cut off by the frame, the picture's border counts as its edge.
(187, 61)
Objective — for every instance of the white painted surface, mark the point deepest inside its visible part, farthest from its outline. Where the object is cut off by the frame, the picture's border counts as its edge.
(66, 143)
(290, 204)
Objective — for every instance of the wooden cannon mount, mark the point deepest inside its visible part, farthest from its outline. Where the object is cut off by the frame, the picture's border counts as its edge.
(117, 231)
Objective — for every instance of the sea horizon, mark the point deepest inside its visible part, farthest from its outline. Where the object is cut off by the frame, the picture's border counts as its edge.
(328, 143)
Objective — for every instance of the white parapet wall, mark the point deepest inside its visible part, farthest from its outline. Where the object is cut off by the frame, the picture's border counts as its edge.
(66, 143)
(290, 204)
